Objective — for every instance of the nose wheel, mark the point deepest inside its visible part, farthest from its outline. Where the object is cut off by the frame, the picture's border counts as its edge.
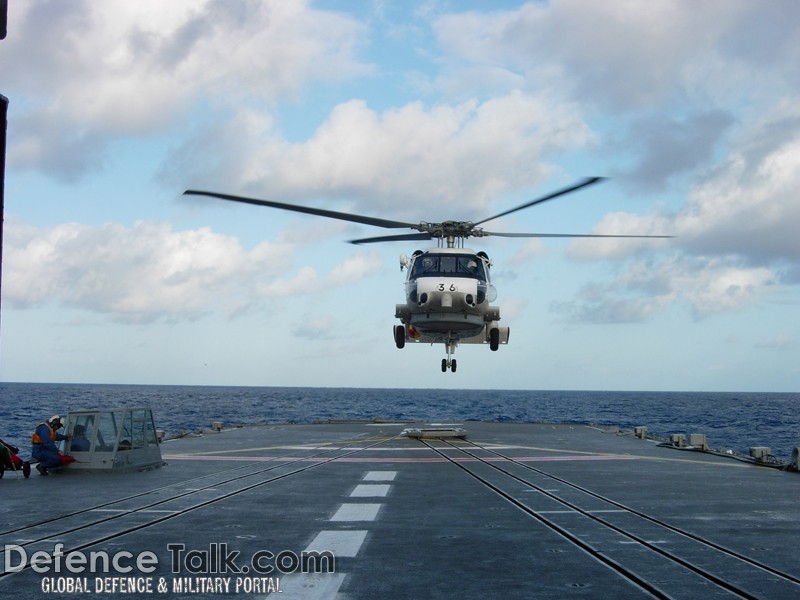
(449, 362)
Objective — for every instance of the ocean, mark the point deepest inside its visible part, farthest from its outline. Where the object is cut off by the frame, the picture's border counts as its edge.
(730, 420)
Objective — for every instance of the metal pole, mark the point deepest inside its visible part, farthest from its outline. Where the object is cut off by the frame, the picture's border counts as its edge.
(3, 127)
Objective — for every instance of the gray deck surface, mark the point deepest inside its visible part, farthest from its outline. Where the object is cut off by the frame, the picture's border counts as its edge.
(577, 513)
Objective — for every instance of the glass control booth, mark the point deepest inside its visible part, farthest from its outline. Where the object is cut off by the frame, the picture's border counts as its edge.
(113, 439)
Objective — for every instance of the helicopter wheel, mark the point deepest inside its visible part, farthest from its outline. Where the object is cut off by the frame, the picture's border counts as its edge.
(399, 336)
(494, 339)
(444, 365)
(453, 365)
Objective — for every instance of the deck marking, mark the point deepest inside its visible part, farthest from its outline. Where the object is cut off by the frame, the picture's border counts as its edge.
(309, 446)
(340, 543)
(359, 448)
(401, 459)
(357, 512)
(311, 586)
(370, 490)
(379, 476)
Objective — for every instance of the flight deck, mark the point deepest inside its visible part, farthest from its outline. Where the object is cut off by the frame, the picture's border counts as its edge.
(357, 510)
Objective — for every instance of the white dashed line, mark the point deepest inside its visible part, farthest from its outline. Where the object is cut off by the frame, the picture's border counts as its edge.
(356, 512)
(311, 586)
(340, 543)
(346, 544)
(380, 476)
(370, 490)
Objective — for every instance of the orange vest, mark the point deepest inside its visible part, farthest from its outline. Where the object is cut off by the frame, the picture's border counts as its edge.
(35, 437)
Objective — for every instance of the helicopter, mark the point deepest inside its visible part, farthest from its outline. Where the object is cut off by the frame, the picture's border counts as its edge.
(448, 288)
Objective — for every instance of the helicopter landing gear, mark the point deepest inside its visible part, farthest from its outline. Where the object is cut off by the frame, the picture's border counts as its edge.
(449, 363)
(399, 336)
(494, 339)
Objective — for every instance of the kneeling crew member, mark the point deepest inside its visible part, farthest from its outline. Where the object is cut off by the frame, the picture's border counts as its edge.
(44, 448)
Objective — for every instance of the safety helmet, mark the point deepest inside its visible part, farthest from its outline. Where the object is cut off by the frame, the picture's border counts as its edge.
(55, 419)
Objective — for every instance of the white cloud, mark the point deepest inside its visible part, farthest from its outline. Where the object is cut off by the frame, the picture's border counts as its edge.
(747, 206)
(736, 236)
(304, 282)
(718, 286)
(354, 268)
(620, 223)
(149, 272)
(141, 273)
(664, 147)
(708, 286)
(441, 159)
(533, 248)
(609, 303)
(630, 55)
(778, 342)
(96, 71)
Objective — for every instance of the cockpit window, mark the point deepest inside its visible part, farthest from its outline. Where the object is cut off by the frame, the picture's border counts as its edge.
(448, 265)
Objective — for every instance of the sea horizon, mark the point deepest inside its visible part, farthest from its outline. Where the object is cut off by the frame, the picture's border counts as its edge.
(449, 388)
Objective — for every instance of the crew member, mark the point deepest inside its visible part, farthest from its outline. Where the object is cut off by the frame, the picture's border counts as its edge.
(79, 443)
(44, 448)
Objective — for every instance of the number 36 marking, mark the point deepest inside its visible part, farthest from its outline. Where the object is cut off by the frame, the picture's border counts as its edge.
(452, 287)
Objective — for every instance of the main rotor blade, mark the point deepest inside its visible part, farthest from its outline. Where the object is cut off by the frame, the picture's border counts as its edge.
(320, 212)
(394, 238)
(582, 184)
(570, 235)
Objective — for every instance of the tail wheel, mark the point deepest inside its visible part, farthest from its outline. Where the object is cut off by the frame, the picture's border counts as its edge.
(453, 365)
(494, 339)
(444, 365)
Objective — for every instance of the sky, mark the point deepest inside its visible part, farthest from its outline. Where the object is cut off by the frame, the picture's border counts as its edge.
(422, 110)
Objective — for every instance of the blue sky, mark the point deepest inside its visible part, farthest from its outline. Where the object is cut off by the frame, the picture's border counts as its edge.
(412, 111)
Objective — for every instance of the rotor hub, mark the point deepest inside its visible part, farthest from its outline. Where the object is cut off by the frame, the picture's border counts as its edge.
(451, 229)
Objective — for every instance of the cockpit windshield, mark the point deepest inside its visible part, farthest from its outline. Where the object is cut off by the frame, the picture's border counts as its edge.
(448, 265)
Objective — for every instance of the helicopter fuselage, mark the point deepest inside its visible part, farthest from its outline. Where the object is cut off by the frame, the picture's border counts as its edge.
(448, 300)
